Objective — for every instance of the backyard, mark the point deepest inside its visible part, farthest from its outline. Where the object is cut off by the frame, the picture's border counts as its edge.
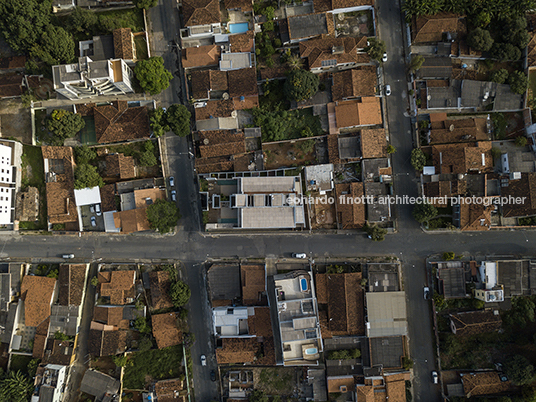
(287, 154)
(154, 364)
(287, 125)
(33, 175)
(275, 381)
(129, 18)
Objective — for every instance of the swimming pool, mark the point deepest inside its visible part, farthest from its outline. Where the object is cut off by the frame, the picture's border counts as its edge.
(238, 28)
(311, 351)
(303, 285)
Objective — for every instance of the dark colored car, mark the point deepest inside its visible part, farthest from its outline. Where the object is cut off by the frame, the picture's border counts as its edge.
(213, 375)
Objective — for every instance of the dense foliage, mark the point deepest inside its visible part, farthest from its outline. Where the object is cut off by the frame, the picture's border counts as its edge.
(86, 175)
(177, 118)
(152, 75)
(424, 212)
(180, 293)
(64, 124)
(163, 215)
(301, 85)
(158, 121)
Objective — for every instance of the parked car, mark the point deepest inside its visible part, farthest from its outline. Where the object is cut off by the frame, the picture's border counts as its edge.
(426, 293)
(98, 210)
(92, 209)
(172, 181)
(67, 256)
(93, 221)
(299, 255)
(203, 360)
(387, 90)
(384, 58)
(213, 375)
(435, 377)
(173, 195)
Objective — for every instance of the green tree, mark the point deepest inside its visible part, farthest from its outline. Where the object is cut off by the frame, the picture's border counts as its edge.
(178, 120)
(480, 39)
(301, 85)
(519, 370)
(407, 363)
(56, 46)
(16, 387)
(84, 154)
(269, 13)
(146, 4)
(391, 149)
(180, 293)
(64, 124)
(439, 301)
(375, 232)
(478, 304)
(268, 26)
(346, 354)
(482, 19)
(60, 336)
(141, 325)
(147, 157)
(424, 212)
(521, 313)
(418, 159)
(54, 272)
(158, 121)
(258, 396)
(416, 62)
(94, 281)
(518, 82)
(120, 360)
(32, 367)
(500, 76)
(448, 255)
(86, 175)
(145, 344)
(23, 22)
(376, 49)
(163, 215)
(521, 141)
(152, 75)
(83, 21)
(505, 51)
(295, 62)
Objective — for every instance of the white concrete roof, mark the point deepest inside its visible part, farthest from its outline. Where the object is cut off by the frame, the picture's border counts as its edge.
(87, 196)
(387, 314)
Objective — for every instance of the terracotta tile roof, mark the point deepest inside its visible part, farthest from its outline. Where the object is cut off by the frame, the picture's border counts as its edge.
(165, 330)
(7, 63)
(61, 207)
(200, 12)
(213, 109)
(359, 81)
(205, 81)
(71, 281)
(123, 43)
(457, 130)
(242, 82)
(475, 217)
(324, 326)
(488, 383)
(462, 158)
(260, 324)
(365, 393)
(118, 122)
(321, 282)
(531, 49)
(142, 196)
(59, 352)
(10, 86)
(430, 28)
(475, 322)
(237, 350)
(318, 50)
(445, 188)
(217, 164)
(373, 143)
(245, 102)
(110, 316)
(37, 292)
(241, 5)
(274, 72)
(333, 149)
(327, 5)
(107, 194)
(159, 284)
(107, 343)
(243, 42)
(524, 187)
(345, 303)
(395, 385)
(221, 143)
(133, 220)
(40, 340)
(117, 285)
(253, 283)
(120, 166)
(358, 113)
(168, 390)
(202, 56)
(350, 215)
(340, 384)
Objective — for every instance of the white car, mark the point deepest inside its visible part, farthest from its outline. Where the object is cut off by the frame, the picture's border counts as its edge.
(98, 210)
(387, 90)
(384, 58)
(426, 293)
(67, 256)
(299, 255)
(173, 195)
(172, 181)
(203, 360)
(435, 377)
(93, 221)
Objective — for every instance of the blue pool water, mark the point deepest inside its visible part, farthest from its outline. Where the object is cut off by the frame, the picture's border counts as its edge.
(303, 283)
(238, 28)
(311, 351)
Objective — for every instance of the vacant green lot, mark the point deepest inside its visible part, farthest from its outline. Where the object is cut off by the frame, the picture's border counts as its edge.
(157, 364)
(131, 18)
(33, 175)
(19, 362)
(287, 124)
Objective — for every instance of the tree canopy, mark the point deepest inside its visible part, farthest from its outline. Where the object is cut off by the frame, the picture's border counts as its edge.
(424, 212)
(146, 4)
(480, 39)
(346, 354)
(418, 159)
(376, 49)
(16, 387)
(180, 293)
(178, 120)
(56, 46)
(152, 75)
(163, 215)
(518, 82)
(64, 124)
(416, 62)
(158, 121)
(301, 85)
(505, 51)
(375, 232)
(500, 76)
(519, 370)
(84, 154)
(86, 175)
